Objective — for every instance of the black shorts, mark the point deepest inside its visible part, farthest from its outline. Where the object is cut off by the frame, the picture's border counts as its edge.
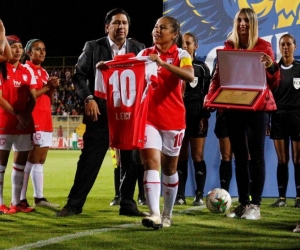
(193, 117)
(221, 126)
(285, 124)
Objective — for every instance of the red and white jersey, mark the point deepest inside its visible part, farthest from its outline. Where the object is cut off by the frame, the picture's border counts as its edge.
(166, 107)
(124, 83)
(15, 90)
(42, 110)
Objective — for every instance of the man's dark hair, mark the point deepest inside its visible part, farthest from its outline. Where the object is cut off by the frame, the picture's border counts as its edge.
(114, 12)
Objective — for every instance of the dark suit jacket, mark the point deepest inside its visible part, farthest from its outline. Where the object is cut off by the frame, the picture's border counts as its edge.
(85, 71)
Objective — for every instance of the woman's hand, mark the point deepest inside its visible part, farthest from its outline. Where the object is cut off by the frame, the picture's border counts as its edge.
(266, 60)
(156, 58)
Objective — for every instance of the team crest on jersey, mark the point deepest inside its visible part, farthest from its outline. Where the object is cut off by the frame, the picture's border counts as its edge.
(39, 72)
(25, 77)
(296, 83)
(2, 141)
(194, 83)
(37, 136)
(170, 60)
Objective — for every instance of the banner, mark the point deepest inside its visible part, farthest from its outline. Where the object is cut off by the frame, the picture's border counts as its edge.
(212, 20)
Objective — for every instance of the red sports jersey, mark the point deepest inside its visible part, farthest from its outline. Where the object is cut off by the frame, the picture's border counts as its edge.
(166, 108)
(124, 83)
(15, 90)
(42, 110)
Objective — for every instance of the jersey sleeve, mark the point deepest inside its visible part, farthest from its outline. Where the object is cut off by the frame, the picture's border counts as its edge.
(100, 87)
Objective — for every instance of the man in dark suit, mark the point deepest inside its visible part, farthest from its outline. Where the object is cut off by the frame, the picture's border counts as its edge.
(96, 138)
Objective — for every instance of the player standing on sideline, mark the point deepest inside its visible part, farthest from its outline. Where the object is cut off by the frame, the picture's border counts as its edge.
(196, 124)
(74, 140)
(35, 51)
(17, 100)
(96, 136)
(166, 120)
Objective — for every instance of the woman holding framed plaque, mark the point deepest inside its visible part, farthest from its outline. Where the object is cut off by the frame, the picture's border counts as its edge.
(250, 124)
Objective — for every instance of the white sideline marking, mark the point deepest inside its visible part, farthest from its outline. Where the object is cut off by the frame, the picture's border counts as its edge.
(90, 232)
(69, 237)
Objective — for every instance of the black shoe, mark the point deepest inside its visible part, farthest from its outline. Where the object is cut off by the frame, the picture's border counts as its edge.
(142, 201)
(68, 211)
(115, 201)
(297, 202)
(131, 212)
(198, 200)
(281, 202)
(180, 200)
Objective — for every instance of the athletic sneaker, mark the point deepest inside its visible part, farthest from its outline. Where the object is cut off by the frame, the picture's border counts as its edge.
(4, 209)
(179, 200)
(281, 202)
(43, 202)
(19, 208)
(153, 221)
(166, 220)
(297, 229)
(198, 201)
(237, 212)
(297, 202)
(252, 212)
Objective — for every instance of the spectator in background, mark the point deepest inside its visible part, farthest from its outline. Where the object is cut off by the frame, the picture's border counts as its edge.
(35, 52)
(60, 132)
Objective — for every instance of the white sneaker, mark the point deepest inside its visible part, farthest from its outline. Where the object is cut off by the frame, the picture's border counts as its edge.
(252, 212)
(153, 221)
(297, 229)
(166, 220)
(237, 212)
(45, 203)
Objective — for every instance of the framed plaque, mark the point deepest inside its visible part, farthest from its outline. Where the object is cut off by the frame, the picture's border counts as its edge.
(236, 97)
(242, 80)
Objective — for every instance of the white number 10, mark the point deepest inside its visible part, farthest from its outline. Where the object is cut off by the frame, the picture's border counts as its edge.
(124, 88)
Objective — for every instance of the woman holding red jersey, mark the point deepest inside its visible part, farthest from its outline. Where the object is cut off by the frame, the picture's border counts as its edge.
(42, 138)
(165, 121)
(17, 100)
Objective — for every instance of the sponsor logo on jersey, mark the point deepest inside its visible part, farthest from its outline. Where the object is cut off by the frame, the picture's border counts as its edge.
(194, 83)
(17, 83)
(296, 83)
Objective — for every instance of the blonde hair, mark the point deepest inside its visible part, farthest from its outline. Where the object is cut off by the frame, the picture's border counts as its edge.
(253, 28)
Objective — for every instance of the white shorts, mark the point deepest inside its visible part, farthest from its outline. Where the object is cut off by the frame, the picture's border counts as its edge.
(42, 139)
(18, 142)
(167, 141)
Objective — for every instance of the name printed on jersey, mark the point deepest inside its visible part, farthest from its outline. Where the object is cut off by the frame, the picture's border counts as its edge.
(124, 83)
